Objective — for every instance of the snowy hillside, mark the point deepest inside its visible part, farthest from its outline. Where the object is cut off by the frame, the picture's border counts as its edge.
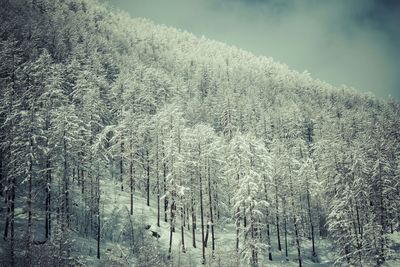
(126, 143)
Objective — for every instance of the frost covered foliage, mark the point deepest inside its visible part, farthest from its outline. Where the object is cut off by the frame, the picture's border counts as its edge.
(124, 142)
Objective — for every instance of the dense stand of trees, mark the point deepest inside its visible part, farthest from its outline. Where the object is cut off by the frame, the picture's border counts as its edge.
(208, 133)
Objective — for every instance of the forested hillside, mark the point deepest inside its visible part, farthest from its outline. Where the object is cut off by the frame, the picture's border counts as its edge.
(125, 143)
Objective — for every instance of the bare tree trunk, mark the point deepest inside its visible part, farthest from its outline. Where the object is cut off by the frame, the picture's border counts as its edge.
(9, 225)
(267, 221)
(12, 217)
(314, 253)
(237, 222)
(48, 200)
(82, 182)
(11, 183)
(165, 191)
(202, 220)
(148, 177)
(182, 231)
(237, 229)
(295, 223)
(211, 209)
(30, 177)
(381, 257)
(8, 214)
(2, 184)
(286, 240)
(172, 226)
(252, 231)
(355, 227)
(121, 165)
(158, 184)
(187, 218)
(277, 216)
(84, 200)
(360, 232)
(297, 239)
(285, 229)
(98, 214)
(66, 181)
(216, 206)
(131, 183)
(164, 183)
(184, 214)
(29, 202)
(207, 230)
(1, 171)
(193, 218)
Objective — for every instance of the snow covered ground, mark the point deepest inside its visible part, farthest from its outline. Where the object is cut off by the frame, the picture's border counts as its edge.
(115, 214)
(115, 208)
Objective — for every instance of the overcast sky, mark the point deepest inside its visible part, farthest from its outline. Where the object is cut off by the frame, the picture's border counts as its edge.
(352, 42)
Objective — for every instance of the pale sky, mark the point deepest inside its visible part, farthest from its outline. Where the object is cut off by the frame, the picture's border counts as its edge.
(352, 42)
